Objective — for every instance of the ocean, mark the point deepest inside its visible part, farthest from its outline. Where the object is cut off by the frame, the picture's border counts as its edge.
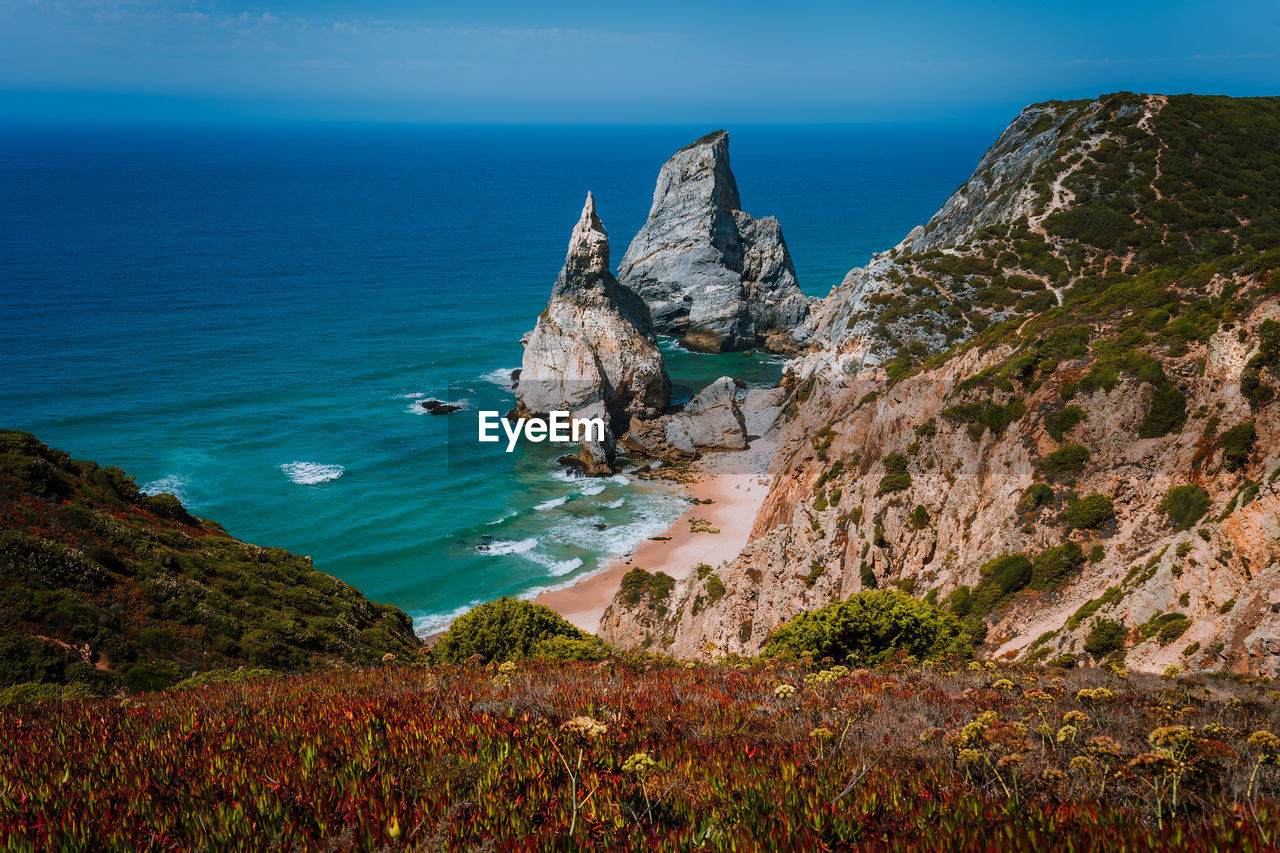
(247, 317)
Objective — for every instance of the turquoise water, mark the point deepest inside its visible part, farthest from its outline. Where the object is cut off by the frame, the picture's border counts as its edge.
(244, 315)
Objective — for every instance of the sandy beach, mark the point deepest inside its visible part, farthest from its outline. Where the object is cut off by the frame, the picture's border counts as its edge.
(736, 483)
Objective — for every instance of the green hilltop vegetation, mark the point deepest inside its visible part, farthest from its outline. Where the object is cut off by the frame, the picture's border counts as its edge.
(1174, 216)
(103, 587)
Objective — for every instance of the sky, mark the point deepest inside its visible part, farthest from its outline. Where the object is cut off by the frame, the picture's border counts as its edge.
(650, 62)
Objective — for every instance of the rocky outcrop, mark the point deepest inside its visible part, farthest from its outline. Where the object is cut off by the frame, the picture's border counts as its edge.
(710, 421)
(712, 275)
(593, 349)
(911, 459)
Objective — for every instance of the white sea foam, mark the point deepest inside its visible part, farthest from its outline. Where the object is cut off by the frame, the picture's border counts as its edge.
(505, 516)
(171, 484)
(551, 504)
(500, 377)
(593, 489)
(429, 623)
(412, 395)
(618, 478)
(614, 504)
(555, 567)
(494, 549)
(311, 473)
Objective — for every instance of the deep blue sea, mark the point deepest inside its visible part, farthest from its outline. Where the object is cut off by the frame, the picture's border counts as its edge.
(247, 317)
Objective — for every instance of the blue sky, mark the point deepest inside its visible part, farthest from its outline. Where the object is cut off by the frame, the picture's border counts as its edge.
(600, 62)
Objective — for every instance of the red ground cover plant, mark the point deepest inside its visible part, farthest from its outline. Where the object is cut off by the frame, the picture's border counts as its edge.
(650, 756)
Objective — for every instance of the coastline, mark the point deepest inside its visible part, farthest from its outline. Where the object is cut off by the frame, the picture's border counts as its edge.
(735, 483)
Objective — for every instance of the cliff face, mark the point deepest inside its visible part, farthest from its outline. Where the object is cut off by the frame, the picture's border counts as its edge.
(1048, 407)
(593, 350)
(712, 275)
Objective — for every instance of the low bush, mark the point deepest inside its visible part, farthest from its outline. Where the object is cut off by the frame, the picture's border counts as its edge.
(1036, 496)
(870, 627)
(1106, 636)
(1052, 567)
(1089, 512)
(1185, 505)
(896, 476)
(511, 629)
(1065, 463)
(1237, 444)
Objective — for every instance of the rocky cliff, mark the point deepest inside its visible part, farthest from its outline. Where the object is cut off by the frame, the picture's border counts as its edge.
(593, 350)
(711, 274)
(1049, 410)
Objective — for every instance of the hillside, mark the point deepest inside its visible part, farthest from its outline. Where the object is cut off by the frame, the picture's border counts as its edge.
(103, 587)
(1050, 409)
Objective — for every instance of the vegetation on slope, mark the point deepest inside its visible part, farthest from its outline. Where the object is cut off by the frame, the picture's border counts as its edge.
(652, 756)
(104, 587)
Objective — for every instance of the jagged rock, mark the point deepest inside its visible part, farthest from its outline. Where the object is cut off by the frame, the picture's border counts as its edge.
(593, 346)
(711, 274)
(438, 407)
(710, 421)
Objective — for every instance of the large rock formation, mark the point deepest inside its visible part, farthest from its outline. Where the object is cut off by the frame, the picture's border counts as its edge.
(593, 348)
(712, 275)
(1111, 422)
(712, 420)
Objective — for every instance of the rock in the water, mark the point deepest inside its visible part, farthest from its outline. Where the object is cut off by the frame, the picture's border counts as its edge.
(710, 421)
(438, 407)
(593, 347)
(712, 275)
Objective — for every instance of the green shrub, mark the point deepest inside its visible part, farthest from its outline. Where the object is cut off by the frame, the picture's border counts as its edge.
(871, 626)
(715, 588)
(1053, 566)
(224, 676)
(986, 415)
(1089, 512)
(561, 647)
(1065, 463)
(896, 476)
(1237, 444)
(1168, 412)
(1002, 577)
(868, 576)
(638, 584)
(1036, 496)
(959, 602)
(1106, 636)
(1057, 422)
(1185, 505)
(1112, 595)
(919, 518)
(502, 630)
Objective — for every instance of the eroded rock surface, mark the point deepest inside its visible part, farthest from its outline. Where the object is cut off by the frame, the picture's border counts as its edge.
(712, 420)
(593, 350)
(711, 274)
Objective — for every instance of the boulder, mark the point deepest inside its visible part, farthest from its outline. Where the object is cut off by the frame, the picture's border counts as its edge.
(712, 420)
(711, 274)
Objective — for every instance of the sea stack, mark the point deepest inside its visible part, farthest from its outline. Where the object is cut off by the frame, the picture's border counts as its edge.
(712, 275)
(593, 350)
